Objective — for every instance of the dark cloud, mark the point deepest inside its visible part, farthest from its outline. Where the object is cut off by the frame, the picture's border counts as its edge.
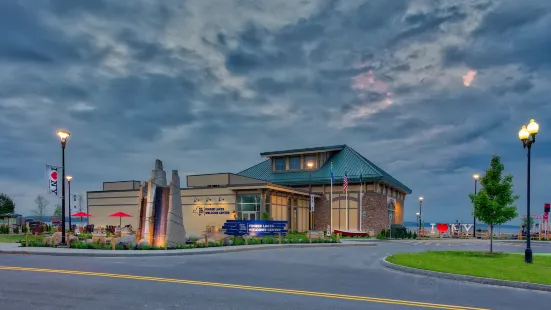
(135, 82)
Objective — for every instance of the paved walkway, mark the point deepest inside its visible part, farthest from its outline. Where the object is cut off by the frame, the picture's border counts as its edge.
(15, 248)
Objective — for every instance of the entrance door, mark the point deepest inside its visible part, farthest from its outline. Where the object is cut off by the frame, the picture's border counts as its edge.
(248, 215)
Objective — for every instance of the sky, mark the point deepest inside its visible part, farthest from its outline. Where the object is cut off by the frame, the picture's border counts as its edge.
(427, 90)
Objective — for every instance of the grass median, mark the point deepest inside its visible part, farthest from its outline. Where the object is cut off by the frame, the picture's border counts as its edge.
(11, 238)
(500, 266)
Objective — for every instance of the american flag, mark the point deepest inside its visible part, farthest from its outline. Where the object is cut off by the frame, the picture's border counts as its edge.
(345, 186)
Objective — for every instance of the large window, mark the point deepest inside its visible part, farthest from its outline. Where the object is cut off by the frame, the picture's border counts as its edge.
(308, 158)
(294, 163)
(280, 164)
(248, 207)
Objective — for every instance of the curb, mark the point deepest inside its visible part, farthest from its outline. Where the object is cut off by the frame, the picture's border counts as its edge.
(156, 253)
(473, 279)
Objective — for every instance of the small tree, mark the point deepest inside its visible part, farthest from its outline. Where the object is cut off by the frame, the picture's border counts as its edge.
(80, 203)
(6, 204)
(525, 222)
(57, 212)
(41, 205)
(493, 204)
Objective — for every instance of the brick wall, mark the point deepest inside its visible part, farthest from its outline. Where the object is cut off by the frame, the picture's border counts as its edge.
(374, 204)
(322, 215)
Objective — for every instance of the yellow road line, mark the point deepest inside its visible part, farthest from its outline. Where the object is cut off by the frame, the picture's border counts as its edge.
(244, 287)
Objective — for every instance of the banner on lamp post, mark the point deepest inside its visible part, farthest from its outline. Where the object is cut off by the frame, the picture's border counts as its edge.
(53, 175)
(312, 203)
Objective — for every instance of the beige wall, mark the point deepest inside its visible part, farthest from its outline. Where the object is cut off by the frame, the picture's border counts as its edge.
(220, 179)
(123, 185)
(101, 204)
(196, 224)
(100, 215)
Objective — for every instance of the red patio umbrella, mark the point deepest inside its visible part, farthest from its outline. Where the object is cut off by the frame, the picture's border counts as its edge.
(120, 215)
(81, 214)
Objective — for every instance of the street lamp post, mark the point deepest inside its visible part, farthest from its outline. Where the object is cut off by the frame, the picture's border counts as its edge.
(69, 178)
(475, 177)
(420, 212)
(310, 165)
(63, 136)
(527, 135)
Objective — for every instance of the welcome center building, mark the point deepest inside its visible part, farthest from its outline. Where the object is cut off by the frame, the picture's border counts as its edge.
(277, 188)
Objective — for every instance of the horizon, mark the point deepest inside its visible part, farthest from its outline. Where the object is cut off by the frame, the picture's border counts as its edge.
(428, 91)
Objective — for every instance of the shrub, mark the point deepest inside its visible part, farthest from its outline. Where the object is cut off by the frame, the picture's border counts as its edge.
(414, 235)
(16, 230)
(25, 229)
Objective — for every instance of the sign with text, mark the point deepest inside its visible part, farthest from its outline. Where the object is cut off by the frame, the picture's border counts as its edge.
(209, 210)
(53, 175)
(312, 203)
(254, 228)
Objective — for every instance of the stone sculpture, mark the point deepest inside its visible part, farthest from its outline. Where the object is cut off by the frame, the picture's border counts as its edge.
(160, 210)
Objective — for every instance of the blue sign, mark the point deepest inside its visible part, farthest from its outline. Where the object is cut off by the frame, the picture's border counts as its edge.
(254, 228)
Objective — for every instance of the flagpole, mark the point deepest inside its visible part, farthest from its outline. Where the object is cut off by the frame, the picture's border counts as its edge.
(361, 214)
(347, 219)
(331, 203)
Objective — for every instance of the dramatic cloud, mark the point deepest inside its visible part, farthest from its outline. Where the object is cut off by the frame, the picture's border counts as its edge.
(208, 85)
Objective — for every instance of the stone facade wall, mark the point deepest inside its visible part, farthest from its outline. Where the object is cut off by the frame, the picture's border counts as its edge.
(322, 213)
(375, 205)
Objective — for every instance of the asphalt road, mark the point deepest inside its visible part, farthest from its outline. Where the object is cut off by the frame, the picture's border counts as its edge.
(246, 280)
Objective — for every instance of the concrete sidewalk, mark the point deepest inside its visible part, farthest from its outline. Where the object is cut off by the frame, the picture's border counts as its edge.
(15, 248)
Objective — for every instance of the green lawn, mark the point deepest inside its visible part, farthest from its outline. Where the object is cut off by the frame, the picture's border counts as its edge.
(498, 266)
(11, 238)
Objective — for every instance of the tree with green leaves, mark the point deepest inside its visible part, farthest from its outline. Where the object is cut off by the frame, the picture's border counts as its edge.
(494, 203)
(57, 212)
(525, 222)
(6, 204)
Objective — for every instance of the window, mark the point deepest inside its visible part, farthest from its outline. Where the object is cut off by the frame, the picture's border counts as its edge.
(294, 163)
(248, 206)
(280, 164)
(308, 158)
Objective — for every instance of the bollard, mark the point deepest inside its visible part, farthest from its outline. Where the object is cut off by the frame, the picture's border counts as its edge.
(206, 241)
(338, 237)
(113, 242)
(69, 240)
(280, 239)
(166, 244)
(27, 239)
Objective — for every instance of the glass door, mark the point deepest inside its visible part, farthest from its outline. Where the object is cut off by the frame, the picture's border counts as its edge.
(248, 215)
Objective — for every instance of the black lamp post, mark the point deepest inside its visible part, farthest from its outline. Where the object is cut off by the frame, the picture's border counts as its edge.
(69, 178)
(310, 165)
(475, 177)
(420, 212)
(527, 135)
(63, 135)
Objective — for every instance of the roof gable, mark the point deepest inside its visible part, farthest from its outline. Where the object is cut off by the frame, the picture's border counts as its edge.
(345, 161)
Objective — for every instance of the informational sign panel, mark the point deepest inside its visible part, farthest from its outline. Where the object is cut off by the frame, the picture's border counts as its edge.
(254, 228)
(312, 203)
(53, 174)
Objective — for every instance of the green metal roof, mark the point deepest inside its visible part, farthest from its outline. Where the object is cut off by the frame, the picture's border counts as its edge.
(347, 160)
(312, 149)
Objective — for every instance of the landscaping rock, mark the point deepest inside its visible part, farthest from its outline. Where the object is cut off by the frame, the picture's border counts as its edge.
(215, 237)
(128, 241)
(143, 242)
